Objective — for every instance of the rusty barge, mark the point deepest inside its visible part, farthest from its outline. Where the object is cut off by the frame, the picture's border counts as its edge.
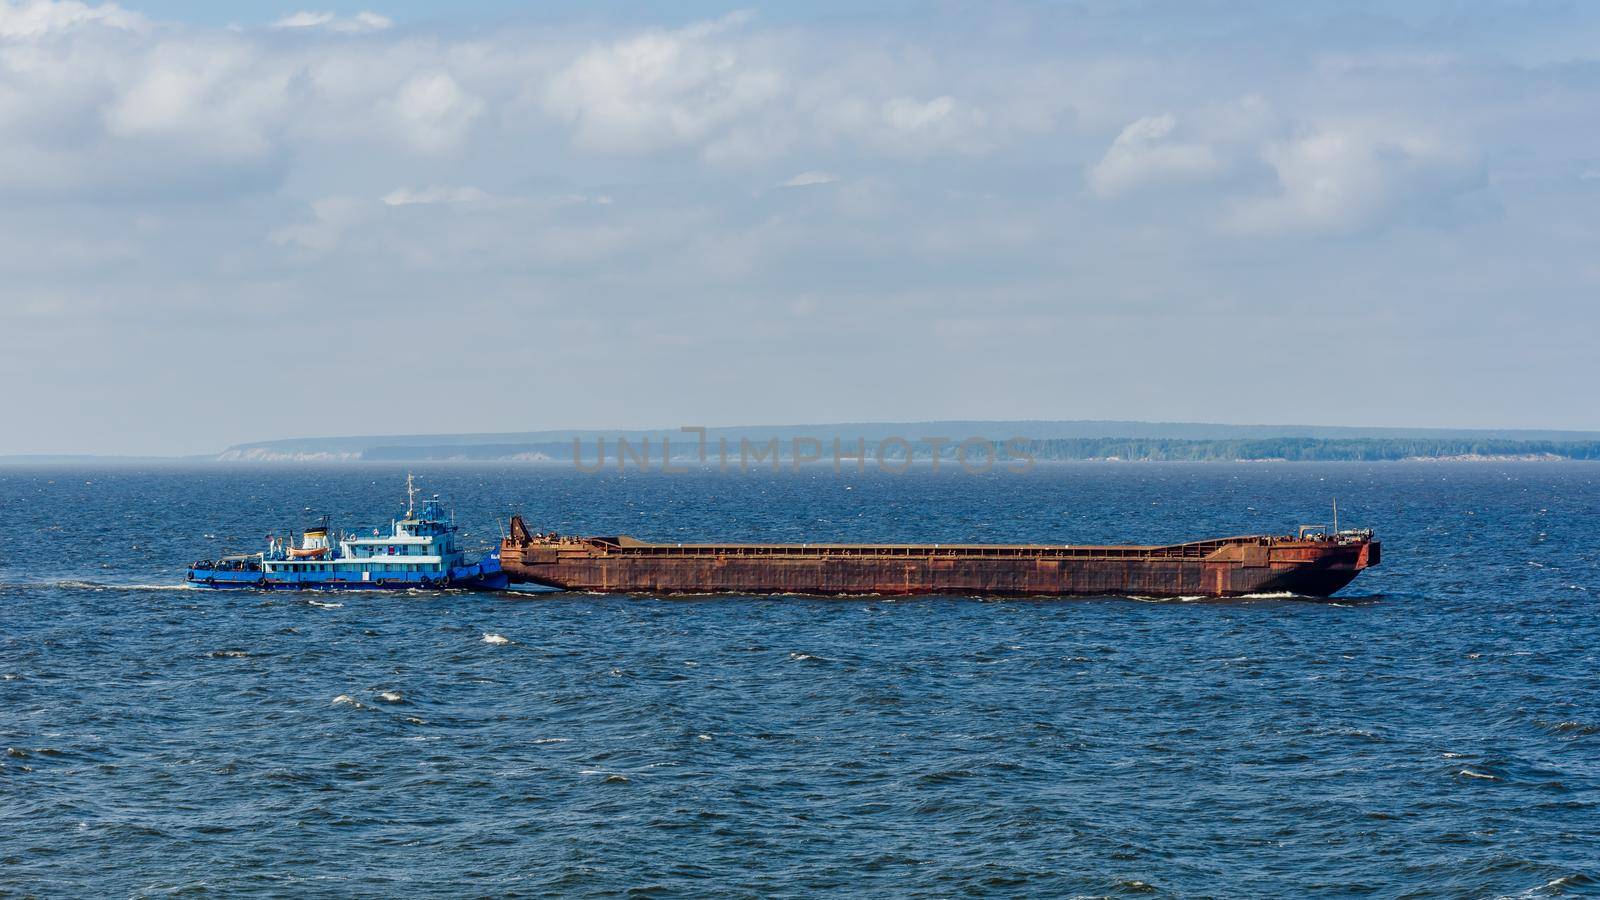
(1310, 564)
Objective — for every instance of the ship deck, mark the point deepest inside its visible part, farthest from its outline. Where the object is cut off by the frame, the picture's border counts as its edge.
(628, 546)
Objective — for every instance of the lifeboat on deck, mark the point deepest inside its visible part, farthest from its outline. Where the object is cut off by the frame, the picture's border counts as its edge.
(313, 545)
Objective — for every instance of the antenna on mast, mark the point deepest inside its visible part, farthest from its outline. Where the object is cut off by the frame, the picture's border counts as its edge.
(411, 497)
(1336, 515)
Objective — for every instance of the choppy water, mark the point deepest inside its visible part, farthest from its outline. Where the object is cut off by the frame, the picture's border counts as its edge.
(1435, 732)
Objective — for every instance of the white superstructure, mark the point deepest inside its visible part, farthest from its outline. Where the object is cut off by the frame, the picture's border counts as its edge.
(421, 547)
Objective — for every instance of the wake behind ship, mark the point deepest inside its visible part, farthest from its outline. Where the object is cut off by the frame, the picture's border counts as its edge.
(420, 551)
(1311, 564)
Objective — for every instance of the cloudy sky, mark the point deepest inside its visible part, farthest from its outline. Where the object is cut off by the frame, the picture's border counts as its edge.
(228, 222)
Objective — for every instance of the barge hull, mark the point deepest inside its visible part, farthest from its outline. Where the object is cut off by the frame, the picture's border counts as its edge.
(1225, 567)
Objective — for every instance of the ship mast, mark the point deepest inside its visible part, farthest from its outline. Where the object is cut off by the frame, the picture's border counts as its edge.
(411, 497)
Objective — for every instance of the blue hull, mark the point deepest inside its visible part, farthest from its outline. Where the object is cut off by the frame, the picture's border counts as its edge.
(498, 583)
(484, 576)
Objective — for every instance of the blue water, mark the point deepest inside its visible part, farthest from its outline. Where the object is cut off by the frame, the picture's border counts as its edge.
(1434, 732)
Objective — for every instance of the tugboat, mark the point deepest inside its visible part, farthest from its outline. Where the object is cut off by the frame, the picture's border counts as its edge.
(419, 552)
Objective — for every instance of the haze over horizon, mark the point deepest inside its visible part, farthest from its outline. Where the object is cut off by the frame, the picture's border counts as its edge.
(235, 224)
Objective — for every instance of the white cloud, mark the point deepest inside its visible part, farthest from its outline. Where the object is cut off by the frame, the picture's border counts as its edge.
(434, 113)
(661, 89)
(360, 23)
(809, 178)
(331, 218)
(150, 170)
(901, 126)
(219, 99)
(910, 116)
(1146, 153)
(141, 110)
(86, 106)
(434, 194)
(37, 18)
(745, 98)
(942, 123)
(1343, 176)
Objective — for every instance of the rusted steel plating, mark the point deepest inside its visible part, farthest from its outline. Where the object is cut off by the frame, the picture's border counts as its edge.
(1310, 565)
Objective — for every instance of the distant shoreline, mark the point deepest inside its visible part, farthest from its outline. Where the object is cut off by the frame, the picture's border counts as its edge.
(898, 443)
(643, 452)
(785, 465)
(1482, 457)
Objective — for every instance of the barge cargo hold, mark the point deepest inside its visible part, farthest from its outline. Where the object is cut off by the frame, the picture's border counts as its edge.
(1308, 564)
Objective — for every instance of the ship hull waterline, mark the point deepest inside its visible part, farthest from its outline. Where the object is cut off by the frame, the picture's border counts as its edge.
(472, 578)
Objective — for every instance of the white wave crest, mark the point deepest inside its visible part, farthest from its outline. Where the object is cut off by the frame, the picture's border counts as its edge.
(72, 584)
